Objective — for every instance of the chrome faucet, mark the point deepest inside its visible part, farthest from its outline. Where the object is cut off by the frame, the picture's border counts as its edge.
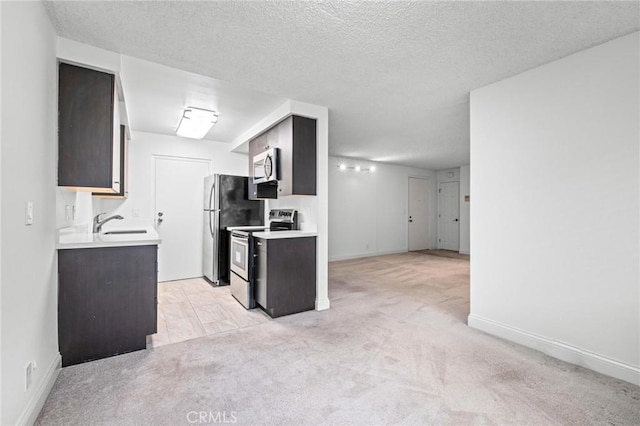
(97, 223)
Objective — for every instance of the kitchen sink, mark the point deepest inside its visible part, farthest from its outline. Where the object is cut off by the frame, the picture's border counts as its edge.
(130, 231)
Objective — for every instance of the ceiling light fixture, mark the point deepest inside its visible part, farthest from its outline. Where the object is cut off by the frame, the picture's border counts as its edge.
(196, 122)
(343, 167)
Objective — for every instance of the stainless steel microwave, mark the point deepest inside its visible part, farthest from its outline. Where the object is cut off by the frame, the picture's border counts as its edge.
(265, 166)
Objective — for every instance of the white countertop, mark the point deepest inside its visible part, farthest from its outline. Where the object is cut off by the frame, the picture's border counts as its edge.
(70, 238)
(247, 228)
(271, 235)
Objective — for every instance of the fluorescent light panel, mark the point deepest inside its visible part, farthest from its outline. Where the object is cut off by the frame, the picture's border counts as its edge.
(196, 122)
(357, 168)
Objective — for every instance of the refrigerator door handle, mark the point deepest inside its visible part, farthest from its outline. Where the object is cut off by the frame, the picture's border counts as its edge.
(211, 224)
(213, 187)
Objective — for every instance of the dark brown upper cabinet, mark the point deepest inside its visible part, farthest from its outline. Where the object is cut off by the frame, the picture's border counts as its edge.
(89, 144)
(295, 137)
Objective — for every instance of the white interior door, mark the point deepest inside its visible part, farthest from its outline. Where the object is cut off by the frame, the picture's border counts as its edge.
(179, 208)
(418, 214)
(448, 215)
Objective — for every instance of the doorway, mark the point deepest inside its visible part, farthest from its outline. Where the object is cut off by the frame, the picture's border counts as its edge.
(179, 204)
(448, 212)
(418, 214)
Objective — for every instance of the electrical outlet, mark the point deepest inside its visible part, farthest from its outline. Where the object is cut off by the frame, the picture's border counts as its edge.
(68, 212)
(28, 213)
(28, 375)
(31, 367)
(135, 213)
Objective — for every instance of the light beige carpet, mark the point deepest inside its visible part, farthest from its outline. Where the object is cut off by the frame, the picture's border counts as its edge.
(394, 349)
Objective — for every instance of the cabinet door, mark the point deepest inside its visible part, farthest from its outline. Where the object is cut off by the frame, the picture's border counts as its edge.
(86, 150)
(260, 290)
(273, 138)
(285, 136)
(117, 152)
(123, 170)
(297, 156)
(149, 280)
(304, 156)
(106, 301)
(291, 278)
(124, 186)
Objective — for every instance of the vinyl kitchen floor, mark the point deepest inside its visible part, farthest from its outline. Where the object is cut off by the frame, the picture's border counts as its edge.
(188, 309)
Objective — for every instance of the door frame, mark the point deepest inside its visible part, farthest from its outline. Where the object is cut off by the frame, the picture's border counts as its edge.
(439, 231)
(429, 210)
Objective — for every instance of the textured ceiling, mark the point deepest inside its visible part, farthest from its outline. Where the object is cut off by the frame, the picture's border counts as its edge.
(395, 76)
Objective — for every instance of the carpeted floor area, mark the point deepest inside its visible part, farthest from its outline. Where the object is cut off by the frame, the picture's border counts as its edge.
(393, 349)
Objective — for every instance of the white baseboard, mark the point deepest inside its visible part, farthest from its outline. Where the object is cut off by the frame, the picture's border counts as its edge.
(362, 255)
(31, 411)
(559, 350)
(322, 304)
(464, 252)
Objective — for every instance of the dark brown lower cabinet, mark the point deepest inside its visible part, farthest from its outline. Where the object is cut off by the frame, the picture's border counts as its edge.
(285, 279)
(107, 301)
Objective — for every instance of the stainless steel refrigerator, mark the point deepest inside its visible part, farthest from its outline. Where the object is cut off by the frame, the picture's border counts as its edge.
(225, 204)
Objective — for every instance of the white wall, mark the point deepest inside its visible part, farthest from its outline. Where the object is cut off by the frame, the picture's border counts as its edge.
(555, 180)
(368, 210)
(28, 172)
(142, 148)
(465, 210)
(448, 175)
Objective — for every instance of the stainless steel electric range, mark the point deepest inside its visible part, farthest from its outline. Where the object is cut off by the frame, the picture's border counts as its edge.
(243, 257)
